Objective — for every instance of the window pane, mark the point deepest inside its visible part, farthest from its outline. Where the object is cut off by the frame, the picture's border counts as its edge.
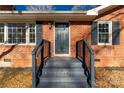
(32, 33)
(106, 36)
(1, 33)
(16, 33)
(103, 33)
(103, 38)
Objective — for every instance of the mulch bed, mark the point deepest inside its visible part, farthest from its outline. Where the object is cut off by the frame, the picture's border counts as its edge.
(15, 78)
(22, 78)
(111, 77)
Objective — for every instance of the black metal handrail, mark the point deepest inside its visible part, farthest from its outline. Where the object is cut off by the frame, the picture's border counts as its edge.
(85, 54)
(39, 55)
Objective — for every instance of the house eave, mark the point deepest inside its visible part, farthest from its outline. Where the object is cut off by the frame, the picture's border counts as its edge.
(55, 15)
(46, 15)
(44, 12)
(101, 9)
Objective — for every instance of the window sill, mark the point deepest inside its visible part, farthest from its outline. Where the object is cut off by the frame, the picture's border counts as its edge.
(104, 44)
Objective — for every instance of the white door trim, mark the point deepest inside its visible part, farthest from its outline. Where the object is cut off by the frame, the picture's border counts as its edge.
(54, 39)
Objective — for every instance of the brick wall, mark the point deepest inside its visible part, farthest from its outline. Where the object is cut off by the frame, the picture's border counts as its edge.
(78, 31)
(104, 55)
(111, 55)
(48, 34)
(6, 7)
(20, 55)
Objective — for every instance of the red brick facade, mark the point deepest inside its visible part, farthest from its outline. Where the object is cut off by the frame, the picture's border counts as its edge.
(111, 55)
(104, 55)
(78, 31)
(6, 7)
(20, 55)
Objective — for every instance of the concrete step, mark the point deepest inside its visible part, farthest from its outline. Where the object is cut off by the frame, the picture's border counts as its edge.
(63, 64)
(66, 70)
(62, 74)
(63, 79)
(64, 59)
(62, 85)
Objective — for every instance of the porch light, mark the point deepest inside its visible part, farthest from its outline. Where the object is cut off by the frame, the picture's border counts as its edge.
(50, 23)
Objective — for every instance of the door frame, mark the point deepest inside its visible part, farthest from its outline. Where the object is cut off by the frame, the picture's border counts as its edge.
(54, 38)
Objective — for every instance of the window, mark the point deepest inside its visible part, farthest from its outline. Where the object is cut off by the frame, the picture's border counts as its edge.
(16, 33)
(1, 33)
(32, 33)
(104, 32)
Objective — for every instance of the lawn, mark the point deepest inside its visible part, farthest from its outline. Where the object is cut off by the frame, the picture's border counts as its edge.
(22, 78)
(109, 77)
(15, 78)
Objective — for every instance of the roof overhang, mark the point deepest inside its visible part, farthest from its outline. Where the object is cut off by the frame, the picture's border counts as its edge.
(55, 15)
(101, 9)
(46, 15)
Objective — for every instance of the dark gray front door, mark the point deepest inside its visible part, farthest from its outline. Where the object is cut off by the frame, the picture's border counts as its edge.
(61, 38)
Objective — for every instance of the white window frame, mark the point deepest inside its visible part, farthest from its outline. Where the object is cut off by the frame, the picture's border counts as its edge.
(27, 34)
(110, 32)
(4, 34)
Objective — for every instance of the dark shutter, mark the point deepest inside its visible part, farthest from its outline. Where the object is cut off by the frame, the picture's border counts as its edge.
(38, 32)
(94, 33)
(116, 33)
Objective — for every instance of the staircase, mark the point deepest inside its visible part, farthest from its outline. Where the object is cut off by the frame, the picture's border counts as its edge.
(63, 72)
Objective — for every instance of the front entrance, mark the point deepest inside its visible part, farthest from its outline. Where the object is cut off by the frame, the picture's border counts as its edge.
(61, 39)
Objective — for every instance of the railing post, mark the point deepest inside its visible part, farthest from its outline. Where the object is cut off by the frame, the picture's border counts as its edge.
(37, 70)
(76, 49)
(49, 50)
(33, 68)
(92, 71)
(42, 55)
(84, 54)
(84, 58)
(83, 50)
(89, 73)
